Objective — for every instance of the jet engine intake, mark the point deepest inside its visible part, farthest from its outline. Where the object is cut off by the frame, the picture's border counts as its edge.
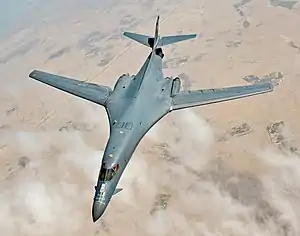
(176, 84)
(122, 82)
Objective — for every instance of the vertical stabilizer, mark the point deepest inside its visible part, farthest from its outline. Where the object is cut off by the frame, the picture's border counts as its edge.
(156, 29)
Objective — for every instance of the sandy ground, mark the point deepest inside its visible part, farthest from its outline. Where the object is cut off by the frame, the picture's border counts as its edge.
(194, 173)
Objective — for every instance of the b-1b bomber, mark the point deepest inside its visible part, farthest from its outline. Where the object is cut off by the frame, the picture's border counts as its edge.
(136, 104)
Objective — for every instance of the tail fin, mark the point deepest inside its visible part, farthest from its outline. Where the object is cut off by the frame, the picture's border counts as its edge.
(157, 41)
(156, 29)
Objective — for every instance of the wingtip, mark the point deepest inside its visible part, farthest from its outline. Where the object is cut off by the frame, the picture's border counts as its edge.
(270, 87)
(32, 73)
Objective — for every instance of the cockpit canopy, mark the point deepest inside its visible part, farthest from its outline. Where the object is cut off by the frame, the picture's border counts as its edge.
(106, 174)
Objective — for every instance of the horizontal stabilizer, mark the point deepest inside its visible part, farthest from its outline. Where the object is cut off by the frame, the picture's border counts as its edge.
(140, 38)
(158, 41)
(162, 41)
(117, 190)
(166, 40)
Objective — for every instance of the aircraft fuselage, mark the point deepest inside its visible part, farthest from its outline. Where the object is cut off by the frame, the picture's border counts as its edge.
(135, 105)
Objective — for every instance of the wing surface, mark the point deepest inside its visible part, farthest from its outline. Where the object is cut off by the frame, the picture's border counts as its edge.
(202, 97)
(89, 91)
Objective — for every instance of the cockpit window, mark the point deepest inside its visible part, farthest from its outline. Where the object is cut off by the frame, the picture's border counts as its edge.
(108, 174)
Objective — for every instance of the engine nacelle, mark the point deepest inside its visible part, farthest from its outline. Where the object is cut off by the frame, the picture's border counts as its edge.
(176, 84)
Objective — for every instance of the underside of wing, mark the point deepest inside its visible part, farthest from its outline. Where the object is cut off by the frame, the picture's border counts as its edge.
(91, 92)
(187, 99)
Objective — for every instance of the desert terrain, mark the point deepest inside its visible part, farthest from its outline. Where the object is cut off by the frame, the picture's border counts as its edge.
(227, 169)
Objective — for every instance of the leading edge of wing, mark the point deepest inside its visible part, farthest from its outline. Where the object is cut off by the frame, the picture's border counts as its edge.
(89, 91)
(207, 96)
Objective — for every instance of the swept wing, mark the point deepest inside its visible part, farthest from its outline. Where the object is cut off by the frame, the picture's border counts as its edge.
(89, 91)
(187, 99)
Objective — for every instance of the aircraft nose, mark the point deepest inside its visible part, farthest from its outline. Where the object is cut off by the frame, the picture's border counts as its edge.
(98, 210)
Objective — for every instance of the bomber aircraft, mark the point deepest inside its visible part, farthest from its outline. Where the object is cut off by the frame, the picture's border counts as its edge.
(136, 104)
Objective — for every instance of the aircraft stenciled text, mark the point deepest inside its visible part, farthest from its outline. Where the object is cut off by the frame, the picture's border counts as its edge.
(122, 124)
